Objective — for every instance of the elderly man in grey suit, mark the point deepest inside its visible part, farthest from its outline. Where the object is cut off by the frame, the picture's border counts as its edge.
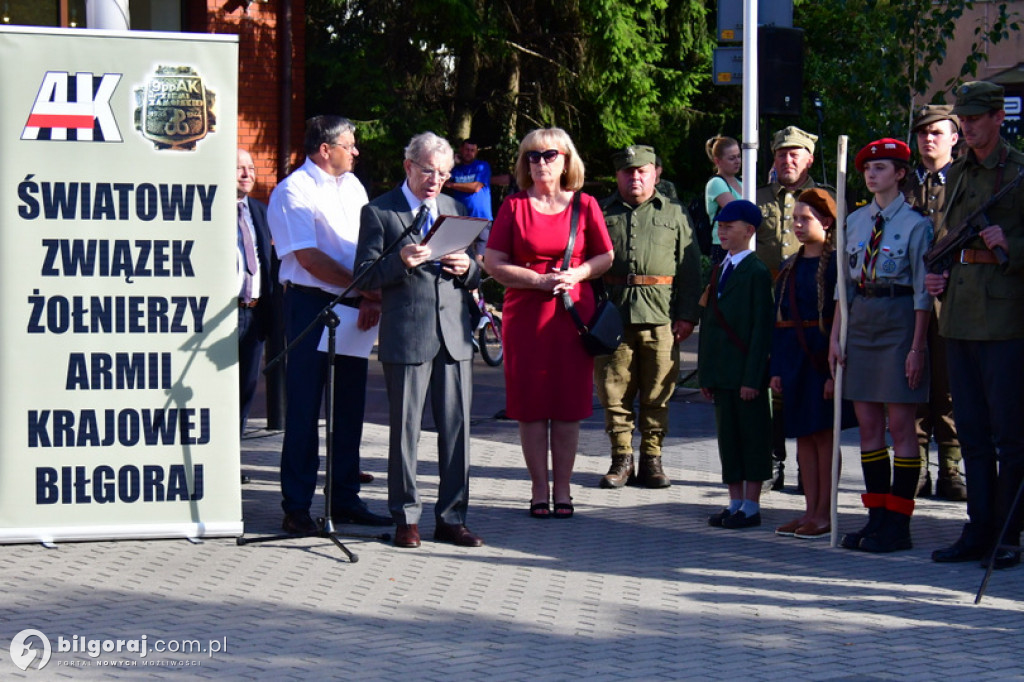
(425, 339)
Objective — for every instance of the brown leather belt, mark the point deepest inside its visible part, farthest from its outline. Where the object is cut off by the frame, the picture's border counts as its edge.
(248, 304)
(788, 324)
(632, 280)
(978, 257)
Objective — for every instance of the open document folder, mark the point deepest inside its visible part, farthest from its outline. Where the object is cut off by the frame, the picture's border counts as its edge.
(451, 233)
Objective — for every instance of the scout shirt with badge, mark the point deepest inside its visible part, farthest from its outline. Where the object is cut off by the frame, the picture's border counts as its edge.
(654, 238)
(881, 324)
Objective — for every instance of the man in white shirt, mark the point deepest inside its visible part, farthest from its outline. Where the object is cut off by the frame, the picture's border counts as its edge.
(314, 218)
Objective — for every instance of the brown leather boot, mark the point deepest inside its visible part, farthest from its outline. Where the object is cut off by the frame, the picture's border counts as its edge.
(620, 473)
(651, 474)
(950, 486)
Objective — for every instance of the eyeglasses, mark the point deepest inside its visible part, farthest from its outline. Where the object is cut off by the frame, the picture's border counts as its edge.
(549, 155)
(347, 147)
(429, 173)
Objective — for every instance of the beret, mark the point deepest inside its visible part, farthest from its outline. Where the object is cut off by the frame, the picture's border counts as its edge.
(741, 210)
(886, 148)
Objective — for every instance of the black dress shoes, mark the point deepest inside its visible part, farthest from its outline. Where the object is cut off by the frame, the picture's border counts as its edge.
(715, 520)
(962, 550)
(741, 520)
(299, 523)
(1004, 558)
(407, 535)
(456, 534)
(360, 515)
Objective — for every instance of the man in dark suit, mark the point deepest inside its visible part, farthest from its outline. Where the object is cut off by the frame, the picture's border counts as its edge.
(425, 339)
(256, 285)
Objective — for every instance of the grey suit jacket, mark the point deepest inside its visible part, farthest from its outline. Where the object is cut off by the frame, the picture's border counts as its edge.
(420, 308)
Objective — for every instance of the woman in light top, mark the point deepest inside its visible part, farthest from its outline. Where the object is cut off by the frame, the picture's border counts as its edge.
(724, 186)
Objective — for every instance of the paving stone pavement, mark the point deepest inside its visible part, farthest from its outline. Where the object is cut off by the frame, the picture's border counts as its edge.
(635, 587)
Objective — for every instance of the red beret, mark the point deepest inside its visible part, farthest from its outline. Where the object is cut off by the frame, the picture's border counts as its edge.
(886, 148)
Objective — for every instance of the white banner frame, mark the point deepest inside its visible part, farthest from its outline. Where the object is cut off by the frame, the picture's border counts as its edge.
(118, 286)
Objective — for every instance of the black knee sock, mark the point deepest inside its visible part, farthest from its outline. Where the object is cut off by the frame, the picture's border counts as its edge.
(906, 471)
(875, 465)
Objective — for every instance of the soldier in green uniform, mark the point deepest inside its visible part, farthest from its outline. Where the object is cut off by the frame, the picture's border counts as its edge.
(982, 320)
(793, 156)
(655, 282)
(937, 132)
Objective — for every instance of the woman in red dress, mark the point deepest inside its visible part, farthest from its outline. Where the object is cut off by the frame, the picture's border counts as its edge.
(548, 374)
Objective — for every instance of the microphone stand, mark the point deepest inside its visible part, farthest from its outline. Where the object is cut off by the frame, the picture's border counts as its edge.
(329, 319)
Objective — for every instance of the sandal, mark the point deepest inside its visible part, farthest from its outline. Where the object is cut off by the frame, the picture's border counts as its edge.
(540, 510)
(563, 510)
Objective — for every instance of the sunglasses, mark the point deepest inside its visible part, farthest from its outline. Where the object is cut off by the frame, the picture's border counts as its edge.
(549, 155)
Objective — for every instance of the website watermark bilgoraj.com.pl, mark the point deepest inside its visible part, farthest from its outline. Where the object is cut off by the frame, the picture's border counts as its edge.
(31, 648)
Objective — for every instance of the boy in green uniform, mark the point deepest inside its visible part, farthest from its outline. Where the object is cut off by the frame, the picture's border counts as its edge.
(735, 338)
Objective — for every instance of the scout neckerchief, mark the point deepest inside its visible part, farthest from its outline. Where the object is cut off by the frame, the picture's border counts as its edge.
(867, 271)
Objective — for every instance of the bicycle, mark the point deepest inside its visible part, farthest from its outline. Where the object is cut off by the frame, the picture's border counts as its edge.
(488, 331)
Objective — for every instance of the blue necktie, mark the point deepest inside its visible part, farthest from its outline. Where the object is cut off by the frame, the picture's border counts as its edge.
(726, 271)
(428, 222)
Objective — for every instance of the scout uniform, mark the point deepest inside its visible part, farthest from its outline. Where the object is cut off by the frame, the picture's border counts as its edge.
(927, 191)
(982, 319)
(655, 281)
(884, 270)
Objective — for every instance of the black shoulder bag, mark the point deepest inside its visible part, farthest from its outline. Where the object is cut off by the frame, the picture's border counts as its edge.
(604, 333)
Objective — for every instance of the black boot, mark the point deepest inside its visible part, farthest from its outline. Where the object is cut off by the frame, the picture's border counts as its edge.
(620, 473)
(875, 502)
(778, 479)
(894, 534)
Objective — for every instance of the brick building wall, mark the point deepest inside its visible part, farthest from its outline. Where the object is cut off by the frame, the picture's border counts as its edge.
(260, 85)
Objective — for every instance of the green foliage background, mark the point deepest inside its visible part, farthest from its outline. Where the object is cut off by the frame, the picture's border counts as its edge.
(611, 72)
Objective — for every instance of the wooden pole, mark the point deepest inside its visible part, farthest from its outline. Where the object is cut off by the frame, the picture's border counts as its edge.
(837, 413)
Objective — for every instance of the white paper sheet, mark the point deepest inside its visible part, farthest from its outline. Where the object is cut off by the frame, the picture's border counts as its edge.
(349, 340)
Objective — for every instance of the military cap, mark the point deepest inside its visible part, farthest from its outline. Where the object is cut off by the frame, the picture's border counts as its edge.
(885, 149)
(741, 210)
(978, 97)
(633, 156)
(927, 114)
(791, 136)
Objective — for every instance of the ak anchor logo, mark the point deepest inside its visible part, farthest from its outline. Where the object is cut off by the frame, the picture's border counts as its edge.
(175, 109)
(23, 652)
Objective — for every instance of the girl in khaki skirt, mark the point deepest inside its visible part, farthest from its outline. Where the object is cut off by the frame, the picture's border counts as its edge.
(886, 372)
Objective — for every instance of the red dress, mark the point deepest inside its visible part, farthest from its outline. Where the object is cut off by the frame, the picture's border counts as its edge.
(548, 373)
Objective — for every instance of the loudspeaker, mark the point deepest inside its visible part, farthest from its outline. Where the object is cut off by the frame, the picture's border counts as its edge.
(780, 55)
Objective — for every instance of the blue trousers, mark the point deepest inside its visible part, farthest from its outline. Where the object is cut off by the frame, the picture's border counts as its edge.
(305, 379)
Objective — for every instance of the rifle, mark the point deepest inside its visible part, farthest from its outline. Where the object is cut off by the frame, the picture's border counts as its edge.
(945, 251)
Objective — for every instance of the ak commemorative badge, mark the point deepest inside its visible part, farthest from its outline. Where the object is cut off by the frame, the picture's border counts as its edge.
(174, 108)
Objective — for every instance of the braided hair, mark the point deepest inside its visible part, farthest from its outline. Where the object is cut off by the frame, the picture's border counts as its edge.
(823, 206)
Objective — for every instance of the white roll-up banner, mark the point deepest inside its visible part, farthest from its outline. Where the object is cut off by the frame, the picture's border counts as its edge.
(118, 285)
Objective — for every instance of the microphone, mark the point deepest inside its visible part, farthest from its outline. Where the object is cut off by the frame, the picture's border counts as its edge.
(417, 224)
